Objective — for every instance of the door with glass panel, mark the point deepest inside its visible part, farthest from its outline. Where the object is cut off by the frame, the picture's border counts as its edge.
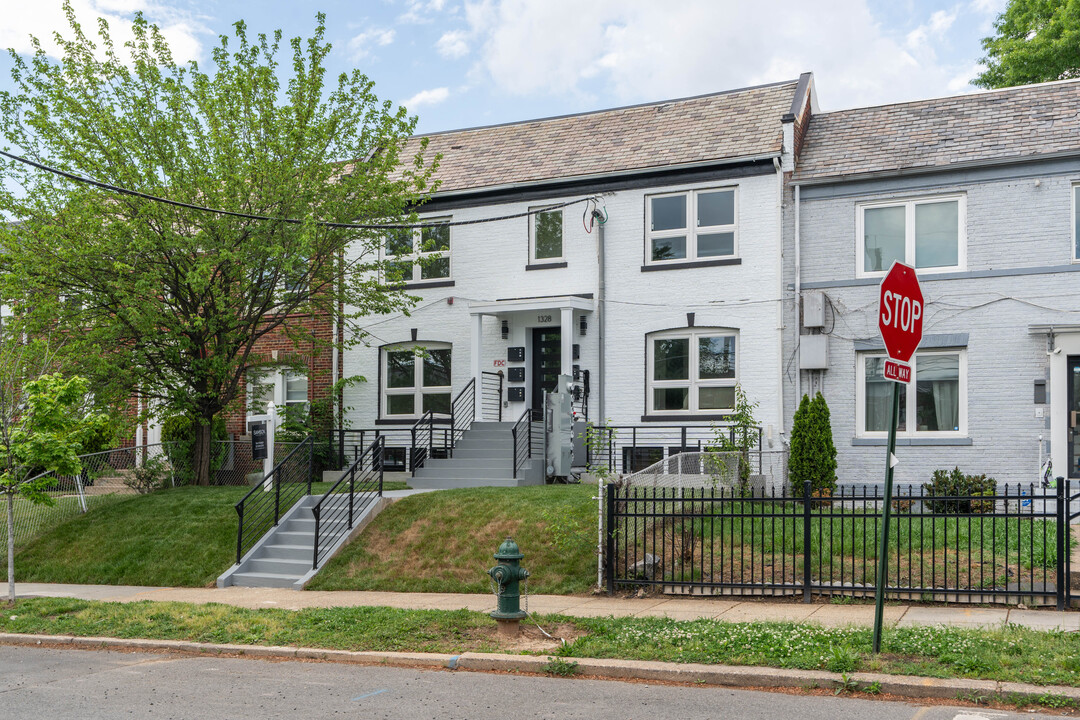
(546, 363)
(1074, 416)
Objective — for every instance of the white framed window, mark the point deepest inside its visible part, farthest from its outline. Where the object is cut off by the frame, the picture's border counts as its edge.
(420, 254)
(546, 237)
(933, 404)
(691, 371)
(689, 226)
(928, 234)
(1076, 222)
(416, 379)
(287, 388)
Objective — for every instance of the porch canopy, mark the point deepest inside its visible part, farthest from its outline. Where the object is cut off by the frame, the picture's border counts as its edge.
(564, 305)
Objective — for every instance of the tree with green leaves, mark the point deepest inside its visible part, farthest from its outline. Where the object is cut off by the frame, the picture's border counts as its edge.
(44, 424)
(1034, 41)
(812, 454)
(168, 298)
(738, 435)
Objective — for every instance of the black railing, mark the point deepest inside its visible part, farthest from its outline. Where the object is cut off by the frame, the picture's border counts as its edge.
(1009, 547)
(357, 488)
(462, 413)
(348, 444)
(273, 496)
(580, 400)
(491, 395)
(625, 449)
(523, 443)
(423, 441)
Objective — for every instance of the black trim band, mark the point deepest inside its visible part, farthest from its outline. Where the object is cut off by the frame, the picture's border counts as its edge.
(546, 266)
(691, 264)
(683, 418)
(424, 285)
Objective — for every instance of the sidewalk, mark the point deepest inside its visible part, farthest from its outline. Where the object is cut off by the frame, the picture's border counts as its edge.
(577, 606)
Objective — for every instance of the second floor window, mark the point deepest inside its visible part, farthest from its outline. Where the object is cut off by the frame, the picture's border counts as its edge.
(546, 237)
(926, 234)
(688, 226)
(419, 255)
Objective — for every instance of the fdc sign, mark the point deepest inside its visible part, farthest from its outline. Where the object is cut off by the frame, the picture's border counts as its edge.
(900, 319)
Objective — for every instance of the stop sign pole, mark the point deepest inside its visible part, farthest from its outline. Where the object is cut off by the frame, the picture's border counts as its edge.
(900, 320)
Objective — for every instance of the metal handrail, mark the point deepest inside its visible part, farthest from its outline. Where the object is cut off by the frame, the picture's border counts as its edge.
(497, 378)
(462, 412)
(370, 483)
(263, 507)
(522, 429)
(418, 452)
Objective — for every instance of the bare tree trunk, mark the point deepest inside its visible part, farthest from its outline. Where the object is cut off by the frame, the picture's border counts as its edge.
(11, 546)
(203, 449)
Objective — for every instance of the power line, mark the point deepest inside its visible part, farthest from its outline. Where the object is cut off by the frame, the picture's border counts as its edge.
(290, 221)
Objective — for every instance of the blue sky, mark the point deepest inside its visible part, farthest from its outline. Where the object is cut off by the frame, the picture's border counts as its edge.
(461, 63)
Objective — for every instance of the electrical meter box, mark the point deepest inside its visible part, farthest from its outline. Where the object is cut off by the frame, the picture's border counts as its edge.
(813, 352)
(559, 429)
(813, 310)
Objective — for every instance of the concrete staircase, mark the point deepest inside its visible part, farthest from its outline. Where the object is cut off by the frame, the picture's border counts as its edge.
(282, 558)
(483, 457)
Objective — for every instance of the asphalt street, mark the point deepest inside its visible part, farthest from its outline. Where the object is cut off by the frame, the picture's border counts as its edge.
(60, 683)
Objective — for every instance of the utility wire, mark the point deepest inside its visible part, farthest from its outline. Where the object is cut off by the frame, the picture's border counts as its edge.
(290, 221)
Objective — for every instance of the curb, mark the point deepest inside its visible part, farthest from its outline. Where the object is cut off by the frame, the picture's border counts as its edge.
(687, 673)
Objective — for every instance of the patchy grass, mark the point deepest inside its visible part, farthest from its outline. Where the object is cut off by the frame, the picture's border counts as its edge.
(444, 541)
(1003, 654)
(184, 537)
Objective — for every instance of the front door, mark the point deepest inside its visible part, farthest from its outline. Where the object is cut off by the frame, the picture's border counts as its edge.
(546, 363)
(1073, 419)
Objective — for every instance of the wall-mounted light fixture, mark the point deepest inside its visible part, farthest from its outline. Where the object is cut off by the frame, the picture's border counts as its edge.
(584, 325)
(505, 329)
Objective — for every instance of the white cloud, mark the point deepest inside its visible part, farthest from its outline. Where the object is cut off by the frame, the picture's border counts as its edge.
(360, 46)
(644, 50)
(421, 11)
(45, 17)
(453, 44)
(433, 96)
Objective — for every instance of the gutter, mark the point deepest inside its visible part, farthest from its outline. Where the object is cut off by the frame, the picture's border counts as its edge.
(601, 295)
(798, 301)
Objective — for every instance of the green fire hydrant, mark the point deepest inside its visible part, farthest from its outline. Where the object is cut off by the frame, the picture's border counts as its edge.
(508, 575)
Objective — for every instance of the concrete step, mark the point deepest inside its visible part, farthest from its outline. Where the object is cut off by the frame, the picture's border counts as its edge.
(257, 579)
(469, 462)
(483, 452)
(442, 483)
(279, 566)
(491, 425)
(290, 552)
(295, 537)
(307, 525)
(460, 473)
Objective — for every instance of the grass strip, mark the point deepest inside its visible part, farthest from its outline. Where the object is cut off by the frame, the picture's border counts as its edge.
(1004, 654)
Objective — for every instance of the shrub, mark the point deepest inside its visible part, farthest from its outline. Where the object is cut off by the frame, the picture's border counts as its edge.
(812, 454)
(178, 434)
(961, 492)
(151, 476)
(739, 435)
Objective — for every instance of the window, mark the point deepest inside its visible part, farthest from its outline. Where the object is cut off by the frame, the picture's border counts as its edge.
(416, 379)
(1076, 222)
(689, 226)
(419, 254)
(691, 371)
(545, 237)
(936, 397)
(288, 390)
(926, 234)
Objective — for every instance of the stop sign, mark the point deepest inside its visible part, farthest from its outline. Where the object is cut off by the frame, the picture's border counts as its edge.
(900, 312)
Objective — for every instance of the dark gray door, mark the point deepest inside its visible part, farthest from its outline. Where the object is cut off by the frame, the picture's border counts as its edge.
(546, 363)
(1073, 420)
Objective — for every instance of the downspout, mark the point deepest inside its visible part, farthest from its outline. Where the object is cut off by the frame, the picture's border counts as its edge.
(779, 303)
(798, 296)
(600, 297)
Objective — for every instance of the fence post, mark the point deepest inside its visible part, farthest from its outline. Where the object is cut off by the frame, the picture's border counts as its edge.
(806, 541)
(1062, 543)
(610, 539)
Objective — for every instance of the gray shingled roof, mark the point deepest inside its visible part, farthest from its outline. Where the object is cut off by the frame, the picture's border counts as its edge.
(1019, 122)
(726, 125)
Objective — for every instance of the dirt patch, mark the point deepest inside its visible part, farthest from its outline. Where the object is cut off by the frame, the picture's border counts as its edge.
(531, 639)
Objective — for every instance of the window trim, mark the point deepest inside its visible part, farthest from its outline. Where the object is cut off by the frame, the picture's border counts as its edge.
(690, 229)
(417, 389)
(536, 263)
(278, 377)
(1075, 224)
(415, 255)
(909, 396)
(909, 205)
(693, 383)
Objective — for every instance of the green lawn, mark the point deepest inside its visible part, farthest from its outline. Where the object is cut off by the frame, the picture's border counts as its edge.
(1005, 654)
(444, 541)
(183, 536)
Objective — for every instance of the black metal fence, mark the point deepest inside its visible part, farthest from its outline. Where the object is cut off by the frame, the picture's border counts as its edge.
(491, 396)
(1012, 546)
(273, 496)
(626, 449)
(337, 510)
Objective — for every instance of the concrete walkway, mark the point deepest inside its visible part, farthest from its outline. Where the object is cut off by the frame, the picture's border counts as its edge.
(577, 606)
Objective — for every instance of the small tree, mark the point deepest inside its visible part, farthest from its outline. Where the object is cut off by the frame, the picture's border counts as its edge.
(812, 455)
(739, 435)
(41, 429)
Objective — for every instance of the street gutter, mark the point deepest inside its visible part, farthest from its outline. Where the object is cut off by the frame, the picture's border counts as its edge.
(757, 677)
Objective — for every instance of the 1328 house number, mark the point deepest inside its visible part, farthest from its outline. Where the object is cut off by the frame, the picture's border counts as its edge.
(543, 318)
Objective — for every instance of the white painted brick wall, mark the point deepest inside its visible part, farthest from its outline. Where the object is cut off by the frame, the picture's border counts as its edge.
(488, 263)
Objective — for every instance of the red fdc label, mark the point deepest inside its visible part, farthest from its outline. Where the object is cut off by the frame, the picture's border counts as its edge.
(897, 371)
